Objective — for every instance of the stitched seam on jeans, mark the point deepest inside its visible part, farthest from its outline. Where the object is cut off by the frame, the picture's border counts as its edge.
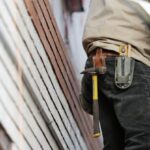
(148, 81)
(148, 89)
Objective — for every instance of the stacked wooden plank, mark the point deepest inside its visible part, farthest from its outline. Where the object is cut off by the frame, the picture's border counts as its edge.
(39, 105)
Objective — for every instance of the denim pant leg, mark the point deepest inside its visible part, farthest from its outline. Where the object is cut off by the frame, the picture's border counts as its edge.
(113, 134)
(131, 107)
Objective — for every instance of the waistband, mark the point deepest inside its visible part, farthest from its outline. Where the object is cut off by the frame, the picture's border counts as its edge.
(123, 50)
(105, 53)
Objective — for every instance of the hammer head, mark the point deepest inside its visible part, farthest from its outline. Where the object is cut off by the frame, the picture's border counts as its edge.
(100, 70)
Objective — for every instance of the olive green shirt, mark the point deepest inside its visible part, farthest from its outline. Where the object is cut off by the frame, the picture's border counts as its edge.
(112, 23)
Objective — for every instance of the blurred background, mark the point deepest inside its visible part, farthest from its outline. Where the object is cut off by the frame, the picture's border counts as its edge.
(71, 16)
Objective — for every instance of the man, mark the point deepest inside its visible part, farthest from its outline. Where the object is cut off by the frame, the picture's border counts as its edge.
(124, 112)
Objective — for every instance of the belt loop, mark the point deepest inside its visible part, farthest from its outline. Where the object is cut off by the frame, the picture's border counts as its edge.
(129, 50)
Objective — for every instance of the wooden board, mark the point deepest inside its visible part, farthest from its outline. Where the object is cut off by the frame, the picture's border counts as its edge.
(69, 92)
(38, 82)
(26, 106)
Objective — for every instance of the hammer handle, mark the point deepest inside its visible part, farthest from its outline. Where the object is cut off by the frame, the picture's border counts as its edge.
(95, 107)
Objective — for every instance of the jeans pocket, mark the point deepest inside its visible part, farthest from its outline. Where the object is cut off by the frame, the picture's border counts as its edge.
(142, 69)
(141, 83)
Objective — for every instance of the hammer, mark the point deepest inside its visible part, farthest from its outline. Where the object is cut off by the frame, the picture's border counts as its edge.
(99, 67)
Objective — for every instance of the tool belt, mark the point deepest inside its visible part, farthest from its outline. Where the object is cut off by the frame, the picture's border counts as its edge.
(95, 66)
(86, 88)
(124, 65)
(105, 53)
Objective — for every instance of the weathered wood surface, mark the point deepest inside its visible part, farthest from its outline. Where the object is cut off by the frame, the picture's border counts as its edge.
(46, 25)
(39, 104)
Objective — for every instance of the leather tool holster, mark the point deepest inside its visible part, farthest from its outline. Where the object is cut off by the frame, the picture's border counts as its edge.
(124, 68)
(98, 63)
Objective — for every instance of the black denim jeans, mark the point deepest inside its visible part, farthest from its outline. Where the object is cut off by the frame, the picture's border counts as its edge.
(124, 114)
